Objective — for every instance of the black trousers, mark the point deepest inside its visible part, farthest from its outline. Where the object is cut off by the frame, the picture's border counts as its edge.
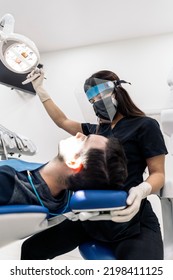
(68, 235)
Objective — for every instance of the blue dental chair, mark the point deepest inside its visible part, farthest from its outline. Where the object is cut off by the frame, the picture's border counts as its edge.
(20, 221)
(96, 205)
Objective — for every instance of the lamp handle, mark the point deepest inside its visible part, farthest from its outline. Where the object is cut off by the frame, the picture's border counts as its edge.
(31, 79)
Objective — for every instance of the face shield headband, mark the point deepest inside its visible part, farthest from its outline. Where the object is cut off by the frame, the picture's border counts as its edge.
(100, 88)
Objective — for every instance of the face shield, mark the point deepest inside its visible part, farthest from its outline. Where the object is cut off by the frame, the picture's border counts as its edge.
(87, 113)
(100, 94)
(96, 100)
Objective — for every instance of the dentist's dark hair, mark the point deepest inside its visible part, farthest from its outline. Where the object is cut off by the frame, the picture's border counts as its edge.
(125, 104)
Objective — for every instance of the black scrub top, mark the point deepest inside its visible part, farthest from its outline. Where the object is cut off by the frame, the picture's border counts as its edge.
(141, 138)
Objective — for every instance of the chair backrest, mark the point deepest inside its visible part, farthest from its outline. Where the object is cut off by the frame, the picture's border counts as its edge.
(20, 221)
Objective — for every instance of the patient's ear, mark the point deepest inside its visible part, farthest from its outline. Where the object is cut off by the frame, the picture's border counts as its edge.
(75, 164)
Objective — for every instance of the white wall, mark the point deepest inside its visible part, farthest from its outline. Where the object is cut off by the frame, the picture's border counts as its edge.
(144, 62)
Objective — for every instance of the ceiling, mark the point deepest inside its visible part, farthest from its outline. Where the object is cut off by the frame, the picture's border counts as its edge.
(62, 24)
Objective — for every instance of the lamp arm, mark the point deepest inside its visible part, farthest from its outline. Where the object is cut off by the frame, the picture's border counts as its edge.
(7, 24)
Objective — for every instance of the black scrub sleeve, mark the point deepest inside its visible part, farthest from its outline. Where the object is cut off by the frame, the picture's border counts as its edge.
(150, 139)
(88, 128)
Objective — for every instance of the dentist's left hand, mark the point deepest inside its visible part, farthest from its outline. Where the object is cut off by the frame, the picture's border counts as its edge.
(136, 194)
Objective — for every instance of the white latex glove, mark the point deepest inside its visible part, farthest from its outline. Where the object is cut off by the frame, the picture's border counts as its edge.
(71, 216)
(82, 216)
(37, 77)
(136, 194)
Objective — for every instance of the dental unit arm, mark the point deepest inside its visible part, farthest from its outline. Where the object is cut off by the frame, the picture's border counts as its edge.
(18, 53)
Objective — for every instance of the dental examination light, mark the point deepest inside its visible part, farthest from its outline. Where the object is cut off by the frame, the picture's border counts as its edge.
(18, 53)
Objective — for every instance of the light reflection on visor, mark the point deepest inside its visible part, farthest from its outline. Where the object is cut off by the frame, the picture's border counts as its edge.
(100, 88)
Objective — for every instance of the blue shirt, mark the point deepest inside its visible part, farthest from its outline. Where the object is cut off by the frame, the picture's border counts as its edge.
(16, 189)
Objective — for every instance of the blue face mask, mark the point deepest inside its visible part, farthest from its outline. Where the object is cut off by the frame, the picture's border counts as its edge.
(105, 108)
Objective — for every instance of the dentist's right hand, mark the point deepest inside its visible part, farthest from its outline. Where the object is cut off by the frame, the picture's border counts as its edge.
(38, 84)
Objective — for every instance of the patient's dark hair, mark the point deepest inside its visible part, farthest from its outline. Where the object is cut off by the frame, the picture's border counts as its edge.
(104, 169)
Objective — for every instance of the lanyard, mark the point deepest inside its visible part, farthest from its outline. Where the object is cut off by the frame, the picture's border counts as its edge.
(40, 200)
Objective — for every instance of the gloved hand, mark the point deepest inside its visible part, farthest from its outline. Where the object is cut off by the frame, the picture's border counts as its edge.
(37, 77)
(71, 216)
(82, 216)
(90, 216)
(136, 194)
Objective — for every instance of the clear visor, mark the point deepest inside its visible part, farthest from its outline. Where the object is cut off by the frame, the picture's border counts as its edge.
(98, 97)
(86, 108)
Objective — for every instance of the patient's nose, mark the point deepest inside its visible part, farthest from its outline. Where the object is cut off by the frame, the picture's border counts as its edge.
(80, 135)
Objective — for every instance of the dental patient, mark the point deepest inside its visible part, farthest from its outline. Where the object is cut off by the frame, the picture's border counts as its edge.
(92, 162)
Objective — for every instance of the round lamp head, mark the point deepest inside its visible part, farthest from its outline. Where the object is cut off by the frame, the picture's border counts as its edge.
(18, 53)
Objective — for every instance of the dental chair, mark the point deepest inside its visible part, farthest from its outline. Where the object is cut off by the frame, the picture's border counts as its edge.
(21, 221)
(96, 205)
